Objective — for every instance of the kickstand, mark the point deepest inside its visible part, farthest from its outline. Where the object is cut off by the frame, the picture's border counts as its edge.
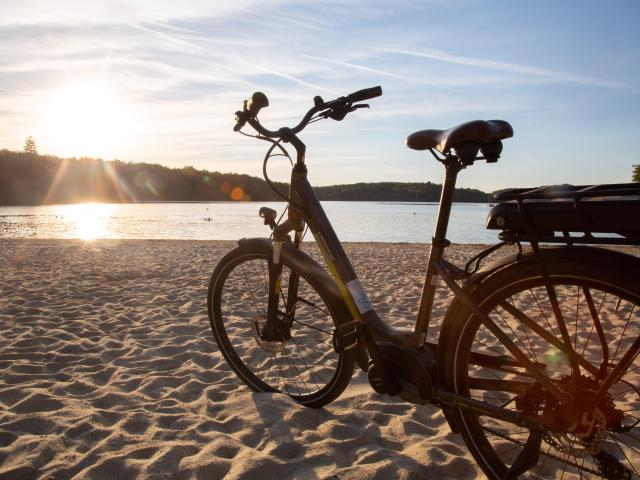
(528, 456)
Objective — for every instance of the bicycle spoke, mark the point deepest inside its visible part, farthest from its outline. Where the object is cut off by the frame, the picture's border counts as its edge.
(296, 373)
(310, 349)
(533, 355)
(622, 336)
(595, 316)
(543, 313)
(311, 371)
(625, 455)
(311, 304)
(575, 327)
(548, 337)
(488, 347)
(313, 327)
(249, 288)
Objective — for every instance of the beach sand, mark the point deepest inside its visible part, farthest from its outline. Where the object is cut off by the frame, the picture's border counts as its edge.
(109, 371)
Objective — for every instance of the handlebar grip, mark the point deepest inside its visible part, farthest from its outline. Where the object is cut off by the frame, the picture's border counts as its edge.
(257, 101)
(365, 94)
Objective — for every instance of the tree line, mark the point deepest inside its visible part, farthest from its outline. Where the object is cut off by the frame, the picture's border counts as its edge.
(32, 179)
(397, 192)
(27, 178)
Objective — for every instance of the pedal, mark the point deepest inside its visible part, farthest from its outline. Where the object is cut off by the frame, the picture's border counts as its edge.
(345, 337)
(376, 381)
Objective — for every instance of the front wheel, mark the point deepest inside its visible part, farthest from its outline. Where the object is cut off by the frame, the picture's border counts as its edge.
(600, 308)
(304, 366)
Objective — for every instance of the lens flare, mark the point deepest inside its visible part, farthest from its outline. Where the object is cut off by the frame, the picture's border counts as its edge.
(88, 219)
(237, 193)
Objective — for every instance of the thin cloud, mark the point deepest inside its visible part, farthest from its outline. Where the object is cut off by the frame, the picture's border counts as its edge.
(175, 39)
(71, 12)
(286, 76)
(512, 68)
(355, 66)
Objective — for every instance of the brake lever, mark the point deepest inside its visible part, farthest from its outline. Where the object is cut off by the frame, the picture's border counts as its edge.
(241, 117)
(338, 112)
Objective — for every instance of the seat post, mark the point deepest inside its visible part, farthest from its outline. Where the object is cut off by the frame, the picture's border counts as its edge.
(452, 168)
(438, 244)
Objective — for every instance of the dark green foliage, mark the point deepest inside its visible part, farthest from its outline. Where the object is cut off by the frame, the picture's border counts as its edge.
(32, 179)
(396, 192)
(636, 173)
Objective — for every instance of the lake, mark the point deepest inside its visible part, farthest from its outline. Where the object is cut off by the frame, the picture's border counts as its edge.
(352, 221)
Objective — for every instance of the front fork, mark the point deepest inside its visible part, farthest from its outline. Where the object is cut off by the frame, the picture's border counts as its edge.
(276, 327)
(281, 310)
(280, 316)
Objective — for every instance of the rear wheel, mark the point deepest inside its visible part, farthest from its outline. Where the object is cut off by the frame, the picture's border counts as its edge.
(305, 366)
(600, 308)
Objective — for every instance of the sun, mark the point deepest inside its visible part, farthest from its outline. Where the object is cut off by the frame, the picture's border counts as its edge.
(88, 118)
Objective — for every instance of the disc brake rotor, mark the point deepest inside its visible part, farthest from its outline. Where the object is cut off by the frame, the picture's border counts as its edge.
(588, 437)
(274, 347)
(584, 444)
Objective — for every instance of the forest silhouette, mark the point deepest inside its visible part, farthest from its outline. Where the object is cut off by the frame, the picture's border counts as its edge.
(27, 178)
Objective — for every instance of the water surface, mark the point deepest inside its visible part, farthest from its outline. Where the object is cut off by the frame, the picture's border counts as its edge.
(352, 221)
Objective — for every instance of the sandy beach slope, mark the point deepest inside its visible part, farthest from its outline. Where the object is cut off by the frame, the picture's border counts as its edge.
(108, 370)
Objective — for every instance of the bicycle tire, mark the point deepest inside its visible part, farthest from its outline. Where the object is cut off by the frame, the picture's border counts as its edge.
(306, 367)
(494, 444)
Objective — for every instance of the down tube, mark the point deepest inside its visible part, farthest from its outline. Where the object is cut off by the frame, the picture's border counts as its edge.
(341, 269)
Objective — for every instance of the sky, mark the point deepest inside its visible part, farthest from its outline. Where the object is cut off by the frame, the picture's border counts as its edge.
(159, 81)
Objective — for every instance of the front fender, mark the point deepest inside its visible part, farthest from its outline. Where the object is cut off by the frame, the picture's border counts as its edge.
(309, 268)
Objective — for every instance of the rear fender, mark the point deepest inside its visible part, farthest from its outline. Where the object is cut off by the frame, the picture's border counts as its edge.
(582, 254)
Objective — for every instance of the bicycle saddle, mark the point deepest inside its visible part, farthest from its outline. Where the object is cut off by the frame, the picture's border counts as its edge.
(476, 131)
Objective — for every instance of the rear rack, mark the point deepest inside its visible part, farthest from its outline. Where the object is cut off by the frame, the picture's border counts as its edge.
(575, 192)
(593, 214)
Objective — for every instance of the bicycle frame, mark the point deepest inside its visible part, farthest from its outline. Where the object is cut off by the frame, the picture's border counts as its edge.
(367, 326)
(400, 361)
(303, 204)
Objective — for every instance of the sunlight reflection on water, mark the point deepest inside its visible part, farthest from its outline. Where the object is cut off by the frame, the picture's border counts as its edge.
(352, 221)
(88, 219)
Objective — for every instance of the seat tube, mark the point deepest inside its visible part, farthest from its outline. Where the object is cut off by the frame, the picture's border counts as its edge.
(438, 244)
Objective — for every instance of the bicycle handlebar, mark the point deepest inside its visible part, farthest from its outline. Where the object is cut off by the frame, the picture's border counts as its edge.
(365, 94)
(336, 109)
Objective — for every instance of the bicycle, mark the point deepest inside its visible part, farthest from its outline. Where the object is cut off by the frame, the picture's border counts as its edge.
(536, 360)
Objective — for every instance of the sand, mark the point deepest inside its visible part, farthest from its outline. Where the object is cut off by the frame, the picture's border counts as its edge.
(109, 371)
